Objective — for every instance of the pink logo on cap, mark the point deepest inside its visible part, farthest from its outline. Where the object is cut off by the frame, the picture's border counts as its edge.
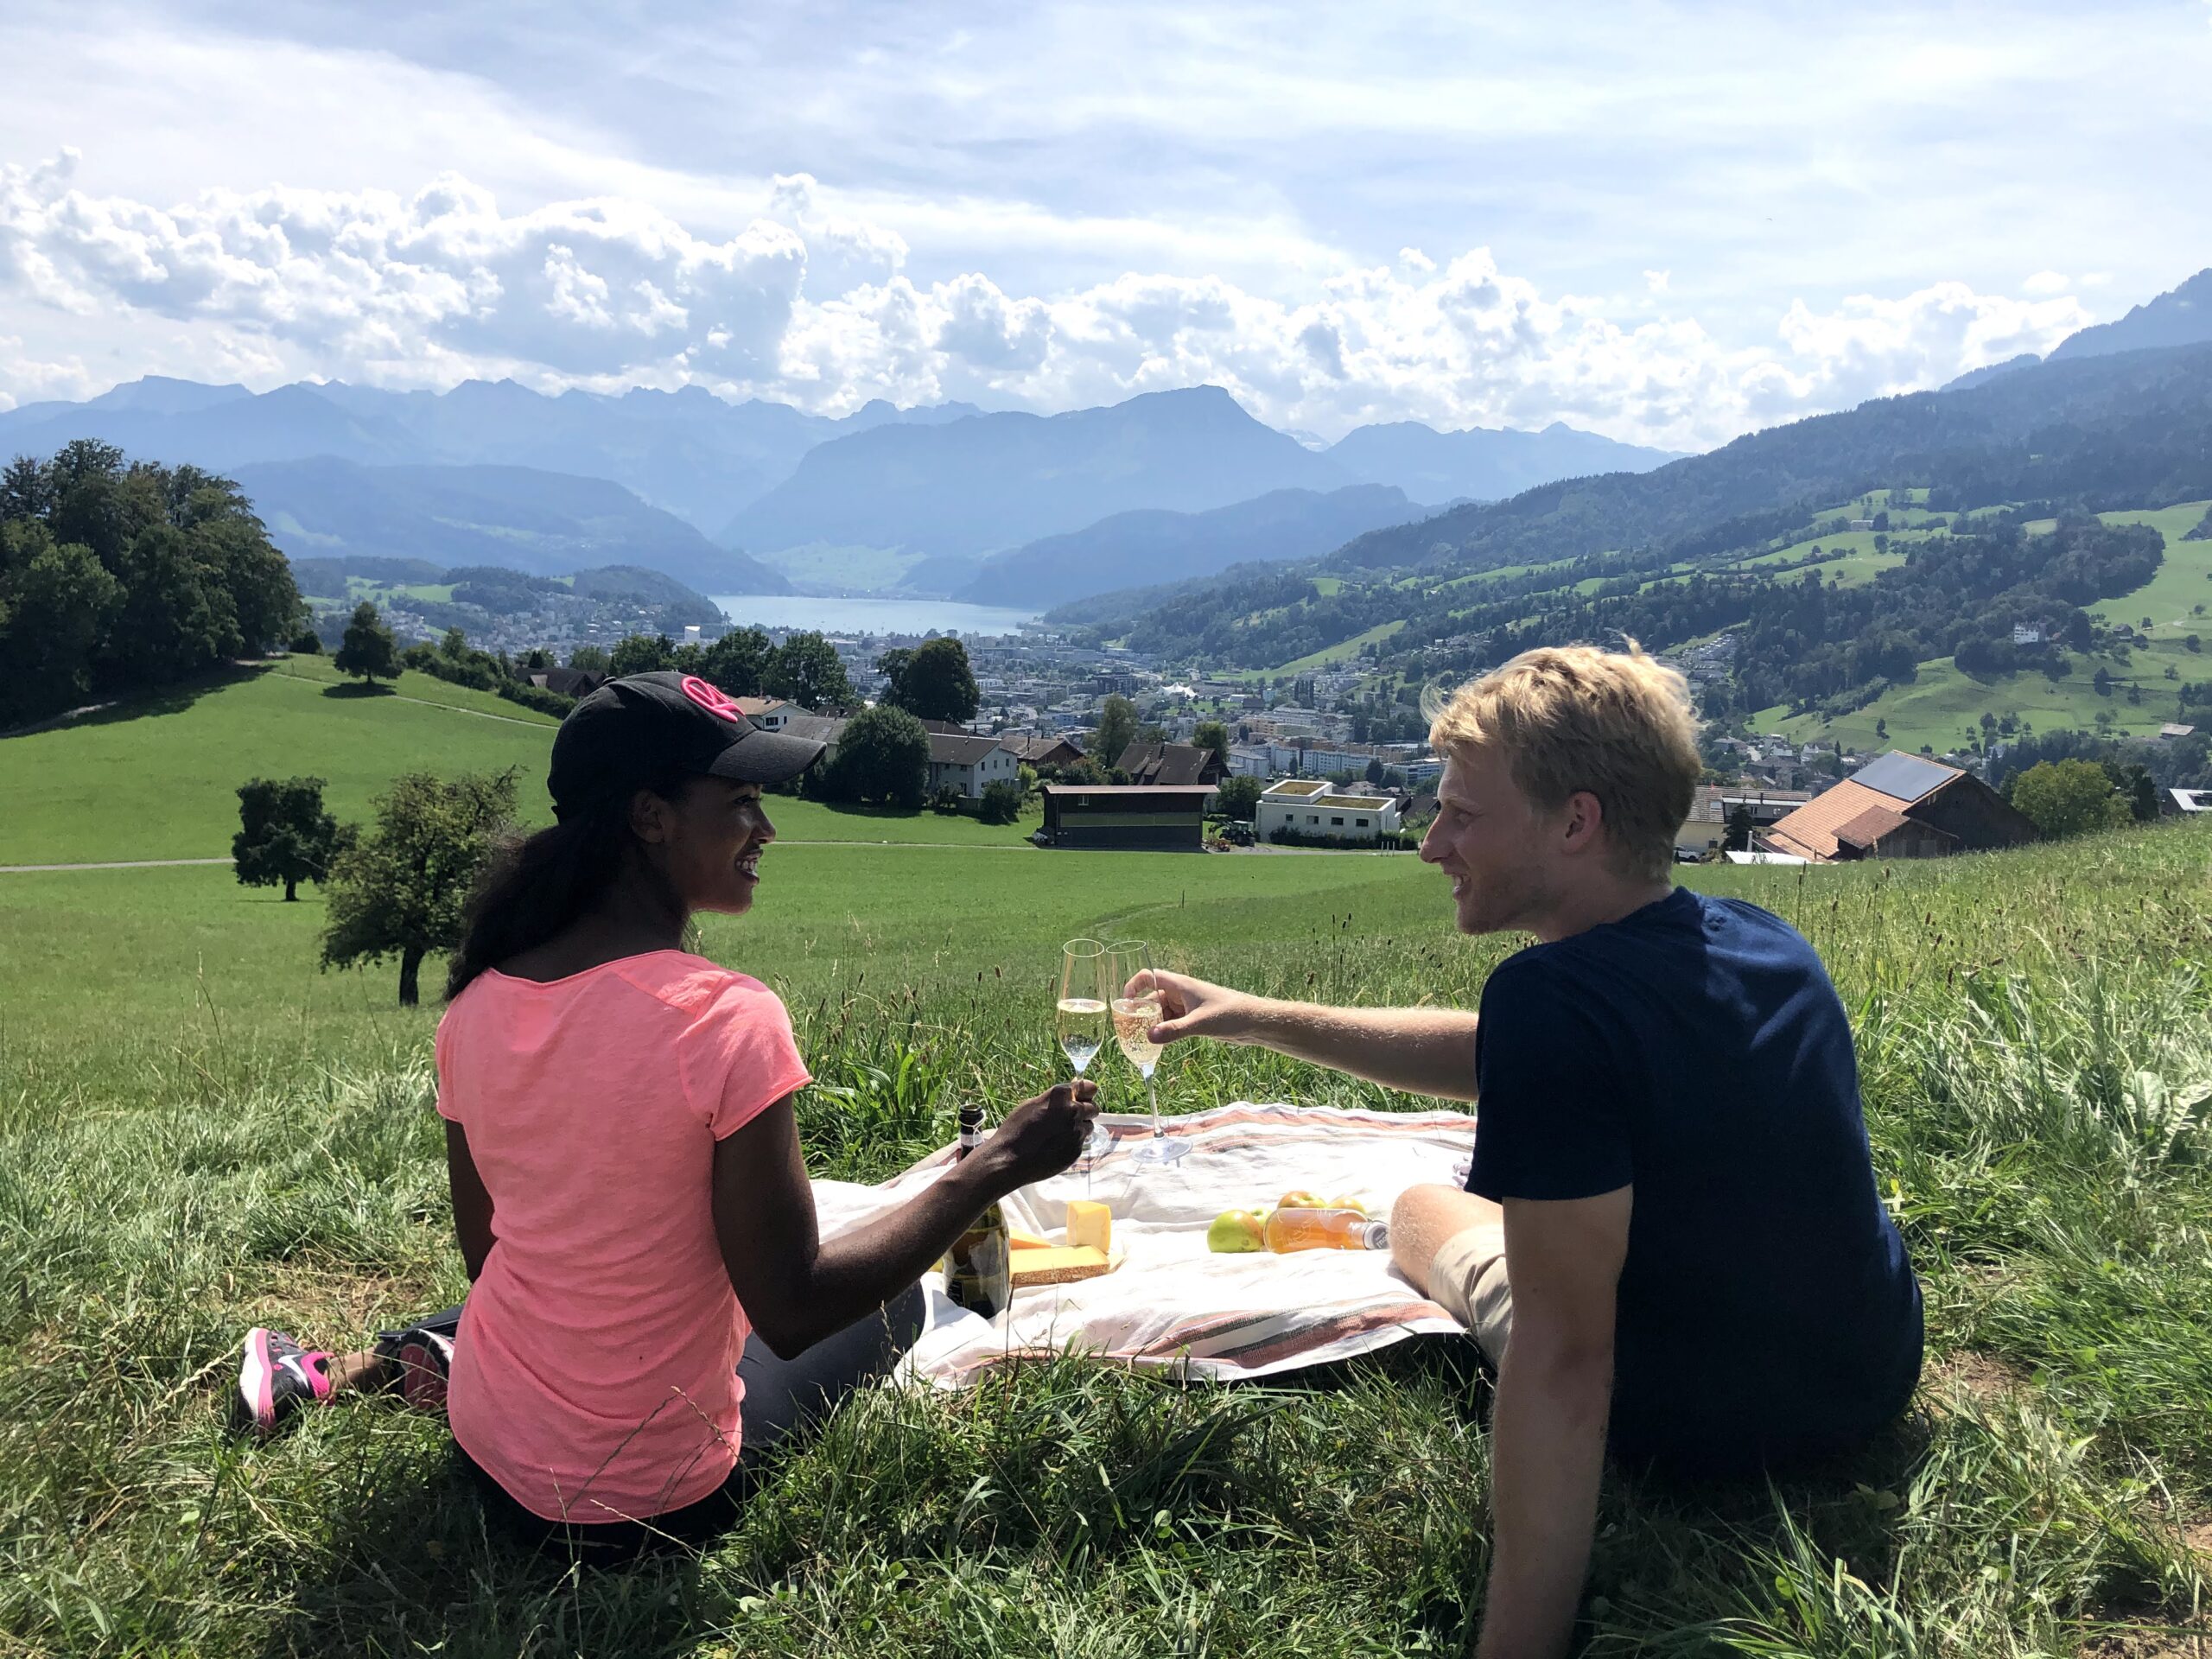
(711, 697)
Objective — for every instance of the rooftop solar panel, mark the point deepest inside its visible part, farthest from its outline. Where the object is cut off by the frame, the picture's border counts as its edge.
(1902, 777)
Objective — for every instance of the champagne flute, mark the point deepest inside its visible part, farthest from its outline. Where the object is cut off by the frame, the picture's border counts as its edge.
(1081, 1021)
(1135, 1003)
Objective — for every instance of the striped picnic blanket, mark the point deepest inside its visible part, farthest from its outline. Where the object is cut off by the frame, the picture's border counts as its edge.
(1172, 1304)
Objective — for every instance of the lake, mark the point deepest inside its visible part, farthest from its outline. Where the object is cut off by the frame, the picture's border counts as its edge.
(868, 616)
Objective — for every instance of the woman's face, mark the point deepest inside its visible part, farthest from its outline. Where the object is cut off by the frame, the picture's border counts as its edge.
(709, 842)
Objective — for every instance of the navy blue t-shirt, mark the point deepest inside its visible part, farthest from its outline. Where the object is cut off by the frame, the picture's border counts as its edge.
(1696, 1050)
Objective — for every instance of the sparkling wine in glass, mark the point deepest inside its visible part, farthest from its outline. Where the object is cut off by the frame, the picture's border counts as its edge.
(1080, 1018)
(1136, 1004)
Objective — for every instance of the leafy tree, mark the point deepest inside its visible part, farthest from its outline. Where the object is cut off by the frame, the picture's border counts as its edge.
(932, 682)
(401, 890)
(54, 603)
(1374, 769)
(1212, 734)
(173, 621)
(2068, 798)
(592, 659)
(1118, 728)
(1002, 801)
(2102, 681)
(883, 754)
(738, 662)
(1238, 798)
(307, 642)
(368, 648)
(1740, 826)
(641, 653)
(284, 836)
(805, 669)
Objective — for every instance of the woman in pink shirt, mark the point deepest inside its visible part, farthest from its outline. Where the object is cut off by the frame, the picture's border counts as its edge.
(652, 1303)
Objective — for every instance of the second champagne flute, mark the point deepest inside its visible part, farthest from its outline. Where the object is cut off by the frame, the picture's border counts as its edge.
(1135, 1003)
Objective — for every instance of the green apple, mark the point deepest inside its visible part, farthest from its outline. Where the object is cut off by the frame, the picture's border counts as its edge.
(1234, 1231)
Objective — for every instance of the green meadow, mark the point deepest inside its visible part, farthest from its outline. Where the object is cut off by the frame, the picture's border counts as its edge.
(200, 1131)
(1943, 704)
(159, 780)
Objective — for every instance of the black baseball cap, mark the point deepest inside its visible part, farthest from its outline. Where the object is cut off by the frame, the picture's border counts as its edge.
(634, 732)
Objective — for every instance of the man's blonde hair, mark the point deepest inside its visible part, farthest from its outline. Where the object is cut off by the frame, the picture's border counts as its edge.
(1572, 718)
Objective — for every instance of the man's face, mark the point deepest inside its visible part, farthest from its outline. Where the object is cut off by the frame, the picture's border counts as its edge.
(1493, 843)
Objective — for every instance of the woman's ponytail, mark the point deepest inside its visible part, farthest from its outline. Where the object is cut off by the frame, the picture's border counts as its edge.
(535, 887)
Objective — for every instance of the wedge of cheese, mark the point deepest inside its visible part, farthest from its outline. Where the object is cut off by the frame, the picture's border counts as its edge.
(1057, 1267)
(1091, 1223)
(1016, 1239)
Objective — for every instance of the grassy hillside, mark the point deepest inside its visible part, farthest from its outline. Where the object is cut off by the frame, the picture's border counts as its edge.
(1943, 705)
(199, 1132)
(2178, 599)
(159, 780)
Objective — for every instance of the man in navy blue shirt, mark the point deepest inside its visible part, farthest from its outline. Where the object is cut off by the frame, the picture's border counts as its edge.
(1671, 1237)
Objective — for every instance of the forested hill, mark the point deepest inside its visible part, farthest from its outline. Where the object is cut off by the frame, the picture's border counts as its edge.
(2133, 428)
(2127, 430)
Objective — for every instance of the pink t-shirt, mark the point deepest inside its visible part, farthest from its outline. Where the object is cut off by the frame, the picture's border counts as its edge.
(595, 1376)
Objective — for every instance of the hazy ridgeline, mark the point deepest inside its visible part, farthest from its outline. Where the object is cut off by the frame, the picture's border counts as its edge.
(198, 1132)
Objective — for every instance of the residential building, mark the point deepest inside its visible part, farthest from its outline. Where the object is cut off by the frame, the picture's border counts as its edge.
(1128, 817)
(2173, 729)
(1170, 763)
(1306, 806)
(769, 714)
(2190, 801)
(1899, 806)
(1050, 750)
(1706, 830)
(970, 763)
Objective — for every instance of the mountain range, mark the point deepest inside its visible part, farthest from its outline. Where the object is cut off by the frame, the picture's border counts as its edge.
(1006, 507)
(542, 523)
(884, 499)
(1151, 545)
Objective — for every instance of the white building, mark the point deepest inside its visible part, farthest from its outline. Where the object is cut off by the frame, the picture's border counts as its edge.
(970, 763)
(1308, 806)
(769, 714)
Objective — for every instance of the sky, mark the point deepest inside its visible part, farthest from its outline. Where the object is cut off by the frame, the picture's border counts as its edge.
(1670, 223)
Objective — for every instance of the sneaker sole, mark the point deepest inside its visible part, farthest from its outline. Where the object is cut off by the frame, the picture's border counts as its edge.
(256, 1382)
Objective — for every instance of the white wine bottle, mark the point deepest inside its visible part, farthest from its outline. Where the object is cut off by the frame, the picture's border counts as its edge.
(979, 1268)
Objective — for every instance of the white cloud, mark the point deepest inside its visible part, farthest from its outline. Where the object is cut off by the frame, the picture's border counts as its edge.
(1657, 280)
(818, 307)
(2045, 281)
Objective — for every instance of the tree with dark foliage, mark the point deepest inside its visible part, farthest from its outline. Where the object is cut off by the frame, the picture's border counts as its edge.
(284, 836)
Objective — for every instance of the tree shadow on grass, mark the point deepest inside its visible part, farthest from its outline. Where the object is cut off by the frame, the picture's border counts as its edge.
(359, 689)
(172, 699)
(411, 1561)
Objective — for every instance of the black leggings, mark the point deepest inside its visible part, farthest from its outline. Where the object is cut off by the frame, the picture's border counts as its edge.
(786, 1400)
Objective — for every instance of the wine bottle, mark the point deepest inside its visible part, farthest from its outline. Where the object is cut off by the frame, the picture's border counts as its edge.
(1325, 1229)
(979, 1268)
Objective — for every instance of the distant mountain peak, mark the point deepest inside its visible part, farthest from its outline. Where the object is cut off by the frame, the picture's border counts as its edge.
(2180, 316)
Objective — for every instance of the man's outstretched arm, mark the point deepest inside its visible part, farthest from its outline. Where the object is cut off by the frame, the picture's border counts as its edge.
(1421, 1051)
(1548, 1430)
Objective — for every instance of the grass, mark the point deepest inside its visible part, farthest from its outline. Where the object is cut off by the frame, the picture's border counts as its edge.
(1852, 560)
(2183, 583)
(198, 1132)
(1944, 704)
(158, 779)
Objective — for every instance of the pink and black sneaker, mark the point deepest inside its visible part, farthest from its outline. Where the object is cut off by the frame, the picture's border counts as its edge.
(276, 1375)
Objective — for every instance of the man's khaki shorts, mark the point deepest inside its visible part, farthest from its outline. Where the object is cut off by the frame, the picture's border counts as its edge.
(1467, 1281)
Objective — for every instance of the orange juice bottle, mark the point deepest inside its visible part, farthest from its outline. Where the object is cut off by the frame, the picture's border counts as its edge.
(1325, 1229)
